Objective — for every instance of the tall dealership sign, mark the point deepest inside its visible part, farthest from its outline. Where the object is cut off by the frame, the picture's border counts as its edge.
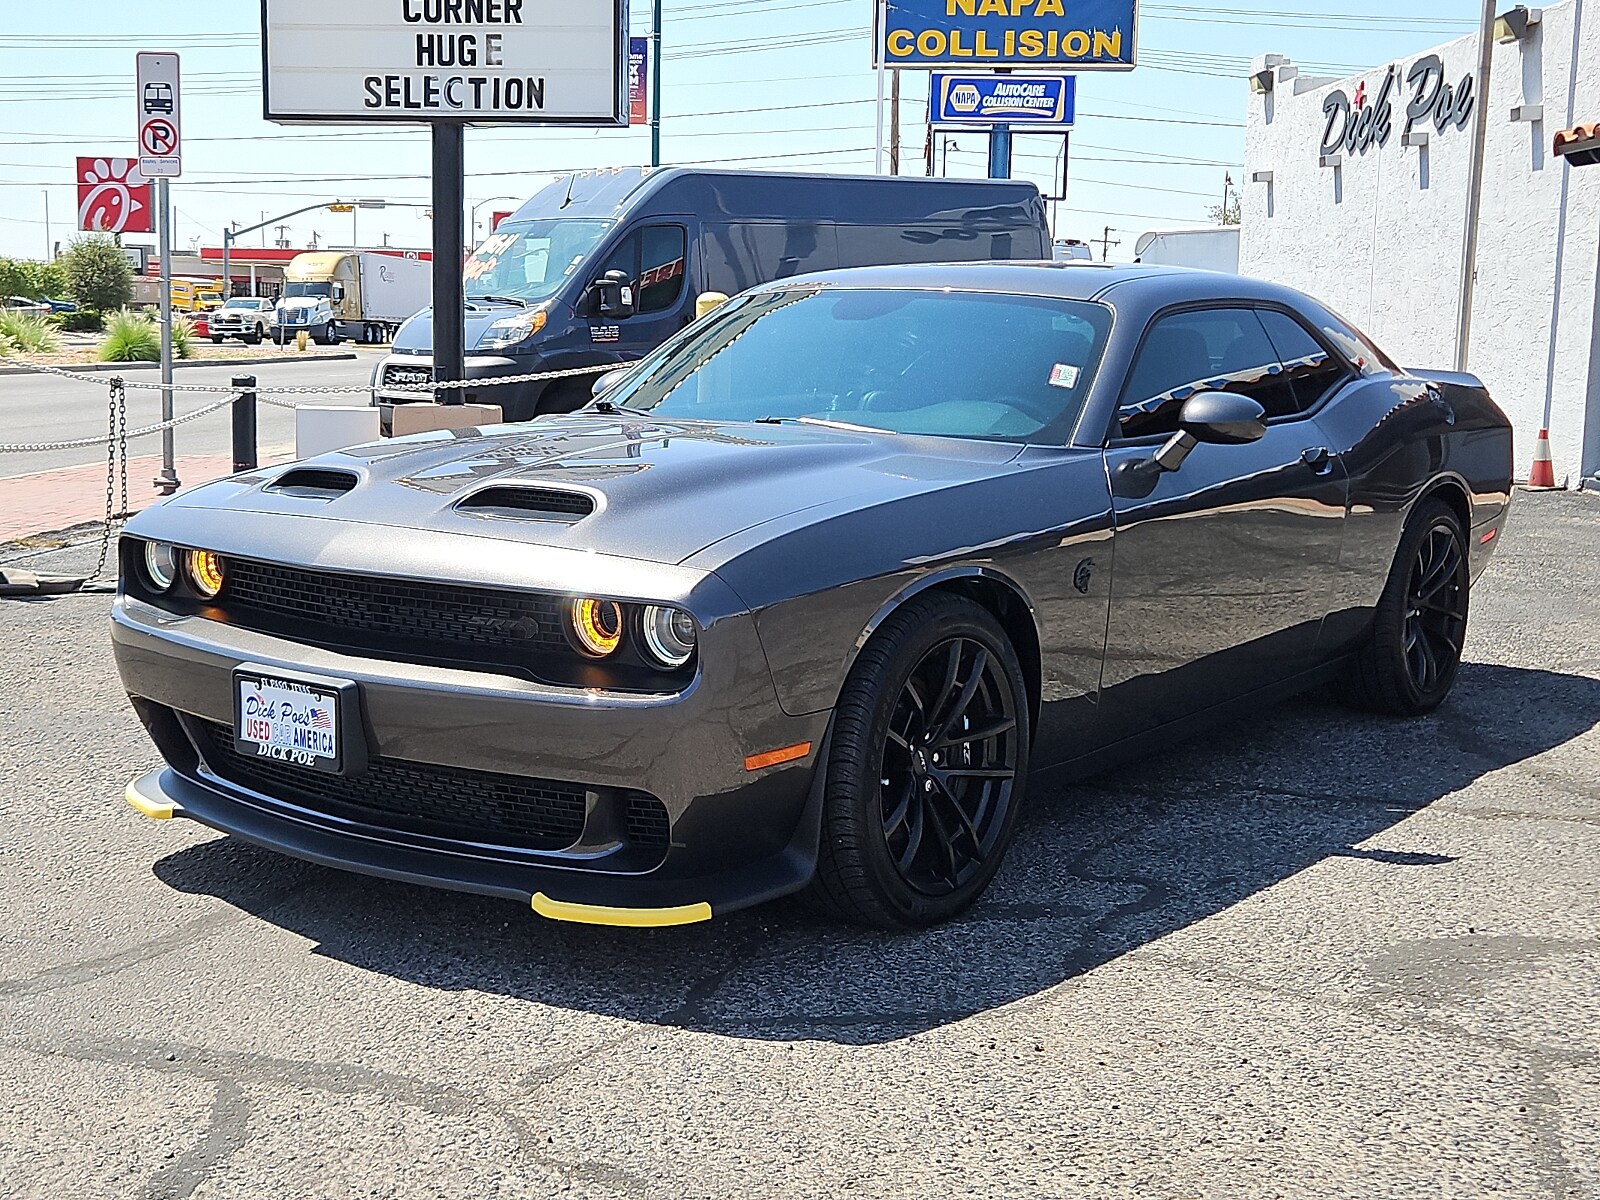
(1080, 35)
(447, 64)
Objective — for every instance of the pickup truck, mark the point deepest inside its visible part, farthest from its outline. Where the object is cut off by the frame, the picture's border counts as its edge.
(244, 317)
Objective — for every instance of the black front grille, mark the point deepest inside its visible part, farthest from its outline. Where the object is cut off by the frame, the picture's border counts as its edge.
(647, 822)
(452, 802)
(404, 618)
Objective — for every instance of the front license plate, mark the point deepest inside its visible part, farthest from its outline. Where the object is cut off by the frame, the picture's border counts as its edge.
(291, 719)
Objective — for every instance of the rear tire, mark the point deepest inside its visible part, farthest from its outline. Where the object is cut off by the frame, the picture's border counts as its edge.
(1410, 659)
(926, 770)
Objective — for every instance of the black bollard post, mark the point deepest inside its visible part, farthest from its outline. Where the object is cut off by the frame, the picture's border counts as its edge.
(244, 424)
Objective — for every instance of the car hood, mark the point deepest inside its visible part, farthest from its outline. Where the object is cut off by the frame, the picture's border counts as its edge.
(659, 490)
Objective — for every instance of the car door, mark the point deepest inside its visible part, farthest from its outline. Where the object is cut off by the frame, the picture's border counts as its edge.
(1225, 570)
(655, 260)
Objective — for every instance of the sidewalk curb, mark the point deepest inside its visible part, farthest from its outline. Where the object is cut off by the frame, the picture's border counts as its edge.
(93, 368)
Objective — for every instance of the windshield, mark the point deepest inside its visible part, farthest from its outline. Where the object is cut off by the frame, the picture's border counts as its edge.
(530, 260)
(291, 290)
(954, 364)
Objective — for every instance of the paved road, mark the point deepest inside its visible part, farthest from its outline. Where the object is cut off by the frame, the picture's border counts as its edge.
(1316, 955)
(44, 408)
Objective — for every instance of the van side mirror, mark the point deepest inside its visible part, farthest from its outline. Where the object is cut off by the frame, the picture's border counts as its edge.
(614, 294)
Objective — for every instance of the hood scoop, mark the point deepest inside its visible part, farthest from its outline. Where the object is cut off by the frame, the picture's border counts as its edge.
(548, 504)
(313, 483)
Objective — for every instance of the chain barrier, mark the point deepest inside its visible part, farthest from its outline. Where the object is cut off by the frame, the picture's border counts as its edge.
(116, 452)
(119, 386)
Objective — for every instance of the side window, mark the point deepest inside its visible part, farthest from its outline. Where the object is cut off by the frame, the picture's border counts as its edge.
(624, 257)
(1311, 370)
(661, 267)
(1218, 350)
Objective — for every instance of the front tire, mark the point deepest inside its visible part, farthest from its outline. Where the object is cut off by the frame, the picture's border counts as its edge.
(1409, 661)
(927, 767)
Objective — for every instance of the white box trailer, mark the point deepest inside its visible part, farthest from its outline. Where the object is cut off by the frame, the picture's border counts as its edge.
(1209, 247)
(371, 291)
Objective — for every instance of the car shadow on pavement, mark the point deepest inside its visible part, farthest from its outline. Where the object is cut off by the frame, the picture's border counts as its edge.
(1100, 867)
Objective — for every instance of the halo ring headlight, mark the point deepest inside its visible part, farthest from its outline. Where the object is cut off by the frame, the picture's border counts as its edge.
(205, 572)
(160, 564)
(669, 635)
(596, 625)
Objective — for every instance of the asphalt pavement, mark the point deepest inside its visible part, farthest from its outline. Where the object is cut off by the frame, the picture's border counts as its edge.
(1313, 954)
(47, 408)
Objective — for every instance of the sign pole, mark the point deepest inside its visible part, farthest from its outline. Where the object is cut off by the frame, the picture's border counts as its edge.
(167, 481)
(882, 17)
(449, 302)
(1000, 152)
(654, 67)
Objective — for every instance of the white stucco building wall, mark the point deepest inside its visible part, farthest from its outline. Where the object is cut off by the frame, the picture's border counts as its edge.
(1379, 236)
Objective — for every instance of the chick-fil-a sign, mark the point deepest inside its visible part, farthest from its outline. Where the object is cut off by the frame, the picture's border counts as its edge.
(112, 196)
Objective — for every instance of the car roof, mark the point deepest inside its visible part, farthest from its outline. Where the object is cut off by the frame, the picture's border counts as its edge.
(1070, 280)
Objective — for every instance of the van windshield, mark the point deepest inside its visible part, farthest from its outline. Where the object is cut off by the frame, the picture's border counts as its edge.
(290, 290)
(946, 363)
(531, 259)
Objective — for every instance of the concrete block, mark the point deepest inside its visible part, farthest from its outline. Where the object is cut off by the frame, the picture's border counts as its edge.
(318, 430)
(424, 418)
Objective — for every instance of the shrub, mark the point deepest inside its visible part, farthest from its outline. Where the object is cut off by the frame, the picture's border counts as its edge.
(182, 336)
(36, 280)
(130, 337)
(27, 334)
(85, 320)
(98, 274)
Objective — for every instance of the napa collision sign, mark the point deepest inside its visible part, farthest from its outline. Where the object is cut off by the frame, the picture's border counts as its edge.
(481, 62)
(1082, 35)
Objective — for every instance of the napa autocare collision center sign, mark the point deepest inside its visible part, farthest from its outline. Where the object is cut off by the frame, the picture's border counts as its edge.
(1083, 35)
(478, 61)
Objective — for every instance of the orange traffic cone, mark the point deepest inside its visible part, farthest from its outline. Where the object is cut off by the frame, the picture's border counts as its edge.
(1543, 473)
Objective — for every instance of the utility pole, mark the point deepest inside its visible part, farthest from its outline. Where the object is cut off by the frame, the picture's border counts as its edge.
(1106, 242)
(49, 246)
(894, 122)
(1480, 135)
(927, 151)
(655, 83)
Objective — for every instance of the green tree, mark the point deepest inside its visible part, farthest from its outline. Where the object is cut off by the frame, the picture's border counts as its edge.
(24, 277)
(98, 274)
(1226, 216)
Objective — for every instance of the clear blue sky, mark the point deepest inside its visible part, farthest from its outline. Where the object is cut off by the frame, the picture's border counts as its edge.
(775, 83)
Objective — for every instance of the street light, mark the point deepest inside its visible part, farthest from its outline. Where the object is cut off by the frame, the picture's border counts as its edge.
(472, 223)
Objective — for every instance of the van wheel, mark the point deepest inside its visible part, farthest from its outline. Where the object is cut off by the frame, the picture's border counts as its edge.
(564, 396)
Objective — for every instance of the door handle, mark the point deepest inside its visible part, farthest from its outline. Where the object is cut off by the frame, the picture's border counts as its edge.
(1317, 458)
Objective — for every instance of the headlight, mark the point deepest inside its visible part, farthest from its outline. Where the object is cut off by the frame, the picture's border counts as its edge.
(669, 635)
(596, 625)
(205, 573)
(160, 564)
(508, 331)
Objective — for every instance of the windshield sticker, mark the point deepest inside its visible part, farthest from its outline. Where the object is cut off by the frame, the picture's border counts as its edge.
(1064, 375)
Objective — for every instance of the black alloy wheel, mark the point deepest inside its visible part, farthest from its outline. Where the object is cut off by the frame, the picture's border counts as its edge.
(1410, 660)
(949, 766)
(926, 767)
(1436, 607)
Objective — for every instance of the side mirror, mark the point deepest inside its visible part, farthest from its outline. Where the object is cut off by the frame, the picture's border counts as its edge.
(607, 381)
(338, 292)
(615, 294)
(1219, 418)
(1222, 418)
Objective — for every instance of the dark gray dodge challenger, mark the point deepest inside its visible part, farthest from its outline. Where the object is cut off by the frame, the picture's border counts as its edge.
(801, 601)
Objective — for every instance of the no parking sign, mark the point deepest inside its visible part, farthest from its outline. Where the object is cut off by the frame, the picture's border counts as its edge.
(160, 113)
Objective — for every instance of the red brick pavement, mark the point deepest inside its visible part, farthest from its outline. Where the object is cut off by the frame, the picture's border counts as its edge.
(49, 501)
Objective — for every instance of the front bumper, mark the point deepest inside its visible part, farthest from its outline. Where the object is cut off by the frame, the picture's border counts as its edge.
(734, 837)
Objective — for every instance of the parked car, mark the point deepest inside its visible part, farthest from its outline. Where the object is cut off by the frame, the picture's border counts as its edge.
(800, 601)
(23, 304)
(247, 318)
(601, 267)
(60, 306)
(195, 295)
